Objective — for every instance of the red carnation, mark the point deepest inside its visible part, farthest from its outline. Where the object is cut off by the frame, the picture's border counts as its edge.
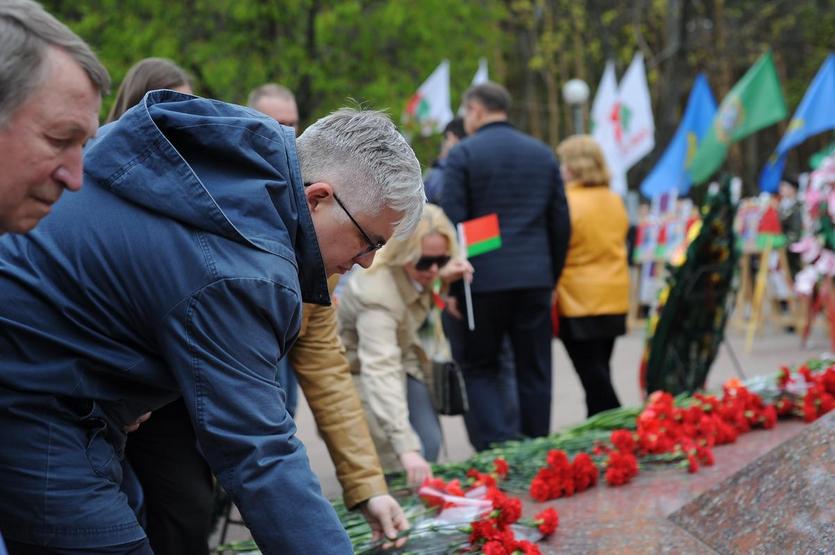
(547, 521)
(557, 459)
(769, 417)
(585, 472)
(481, 479)
(501, 467)
(510, 510)
(784, 406)
(539, 490)
(692, 463)
(620, 468)
(827, 403)
(482, 529)
(494, 548)
(623, 440)
(454, 488)
(705, 455)
(784, 377)
(433, 500)
(528, 548)
(828, 380)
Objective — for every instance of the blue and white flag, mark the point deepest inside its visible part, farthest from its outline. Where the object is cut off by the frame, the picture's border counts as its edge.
(670, 172)
(816, 113)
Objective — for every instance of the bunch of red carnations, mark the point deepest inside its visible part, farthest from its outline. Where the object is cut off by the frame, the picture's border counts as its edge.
(561, 477)
(819, 396)
(491, 533)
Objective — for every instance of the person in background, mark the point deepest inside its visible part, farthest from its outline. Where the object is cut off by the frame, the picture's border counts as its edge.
(381, 312)
(791, 220)
(593, 292)
(148, 75)
(433, 180)
(51, 84)
(498, 169)
(276, 101)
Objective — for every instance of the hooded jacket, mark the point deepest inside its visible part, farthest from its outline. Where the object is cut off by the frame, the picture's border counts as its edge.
(178, 269)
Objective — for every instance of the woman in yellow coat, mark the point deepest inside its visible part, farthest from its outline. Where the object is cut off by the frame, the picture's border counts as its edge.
(592, 293)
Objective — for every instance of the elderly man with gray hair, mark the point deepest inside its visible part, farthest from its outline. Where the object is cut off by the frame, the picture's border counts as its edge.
(180, 270)
(50, 93)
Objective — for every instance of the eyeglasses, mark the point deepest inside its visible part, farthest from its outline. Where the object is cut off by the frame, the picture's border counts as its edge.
(426, 262)
(372, 246)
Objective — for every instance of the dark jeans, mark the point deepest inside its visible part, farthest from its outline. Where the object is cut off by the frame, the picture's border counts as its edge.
(140, 547)
(423, 418)
(524, 316)
(176, 481)
(591, 362)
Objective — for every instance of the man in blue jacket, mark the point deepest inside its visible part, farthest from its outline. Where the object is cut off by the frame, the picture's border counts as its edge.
(498, 169)
(180, 269)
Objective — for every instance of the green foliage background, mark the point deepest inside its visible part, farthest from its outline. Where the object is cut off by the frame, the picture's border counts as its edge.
(377, 52)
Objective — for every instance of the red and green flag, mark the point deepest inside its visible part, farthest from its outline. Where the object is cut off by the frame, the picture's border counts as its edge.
(480, 235)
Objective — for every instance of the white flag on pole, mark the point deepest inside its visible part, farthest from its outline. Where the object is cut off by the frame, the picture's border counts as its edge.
(622, 120)
(602, 125)
(430, 105)
(634, 124)
(481, 74)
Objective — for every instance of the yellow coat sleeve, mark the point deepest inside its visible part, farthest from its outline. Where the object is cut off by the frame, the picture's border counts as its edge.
(325, 378)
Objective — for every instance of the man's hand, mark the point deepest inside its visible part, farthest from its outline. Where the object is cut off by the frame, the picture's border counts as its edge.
(416, 467)
(386, 519)
(133, 426)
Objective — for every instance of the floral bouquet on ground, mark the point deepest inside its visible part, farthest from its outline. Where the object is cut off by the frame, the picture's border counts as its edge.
(468, 507)
(473, 516)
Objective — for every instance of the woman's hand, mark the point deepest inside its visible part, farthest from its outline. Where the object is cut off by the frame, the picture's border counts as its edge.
(456, 269)
(416, 467)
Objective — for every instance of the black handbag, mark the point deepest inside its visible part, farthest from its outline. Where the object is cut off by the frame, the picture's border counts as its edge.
(450, 394)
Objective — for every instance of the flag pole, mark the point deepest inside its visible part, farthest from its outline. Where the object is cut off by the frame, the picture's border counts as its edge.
(468, 296)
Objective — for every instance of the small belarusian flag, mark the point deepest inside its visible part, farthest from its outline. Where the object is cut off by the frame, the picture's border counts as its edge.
(480, 235)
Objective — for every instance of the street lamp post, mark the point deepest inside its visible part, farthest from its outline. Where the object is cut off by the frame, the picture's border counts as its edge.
(575, 93)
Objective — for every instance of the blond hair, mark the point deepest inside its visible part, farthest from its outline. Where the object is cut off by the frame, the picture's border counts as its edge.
(582, 156)
(402, 251)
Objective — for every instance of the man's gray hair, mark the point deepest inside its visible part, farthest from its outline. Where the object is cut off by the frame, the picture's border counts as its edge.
(361, 151)
(269, 90)
(26, 31)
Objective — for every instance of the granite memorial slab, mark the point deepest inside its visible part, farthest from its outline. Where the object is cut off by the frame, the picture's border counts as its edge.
(782, 502)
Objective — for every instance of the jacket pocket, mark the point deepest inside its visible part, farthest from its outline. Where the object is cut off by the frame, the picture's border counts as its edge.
(99, 451)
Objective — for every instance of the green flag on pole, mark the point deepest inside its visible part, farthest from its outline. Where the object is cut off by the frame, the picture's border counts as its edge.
(756, 101)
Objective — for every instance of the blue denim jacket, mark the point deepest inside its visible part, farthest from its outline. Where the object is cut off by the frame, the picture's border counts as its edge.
(178, 269)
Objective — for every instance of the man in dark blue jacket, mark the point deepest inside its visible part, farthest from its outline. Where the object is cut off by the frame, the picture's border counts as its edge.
(498, 169)
(180, 269)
